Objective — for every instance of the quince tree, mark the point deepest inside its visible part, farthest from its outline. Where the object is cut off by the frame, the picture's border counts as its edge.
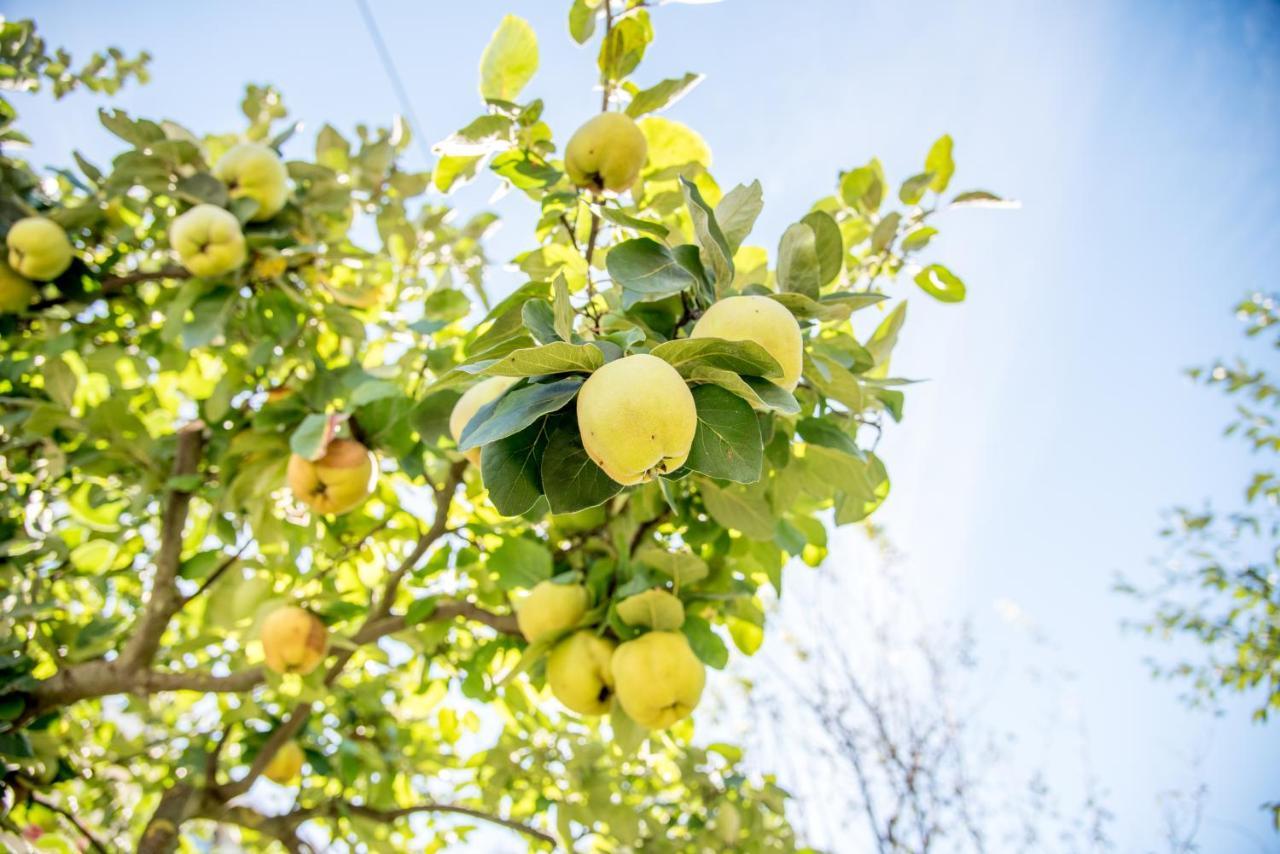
(289, 495)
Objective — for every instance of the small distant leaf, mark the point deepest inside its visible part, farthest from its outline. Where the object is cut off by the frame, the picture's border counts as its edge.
(885, 231)
(940, 283)
(681, 566)
(982, 199)
(582, 20)
(828, 307)
(882, 341)
(939, 163)
(662, 95)
(912, 190)
(918, 239)
(509, 60)
(564, 314)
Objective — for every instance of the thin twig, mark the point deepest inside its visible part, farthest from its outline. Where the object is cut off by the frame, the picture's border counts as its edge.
(70, 816)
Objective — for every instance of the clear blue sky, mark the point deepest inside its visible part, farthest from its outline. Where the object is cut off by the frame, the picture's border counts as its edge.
(1142, 139)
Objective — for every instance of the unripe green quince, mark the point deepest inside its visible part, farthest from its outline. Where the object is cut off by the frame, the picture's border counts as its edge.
(606, 153)
(16, 293)
(254, 171)
(551, 607)
(208, 241)
(765, 321)
(637, 418)
(485, 391)
(579, 674)
(38, 248)
(658, 678)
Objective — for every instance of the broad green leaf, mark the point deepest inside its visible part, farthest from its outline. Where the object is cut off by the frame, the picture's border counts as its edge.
(656, 609)
(760, 393)
(624, 47)
(716, 252)
(681, 566)
(570, 479)
(94, 556)
(485, 135)
(833, 380)
(706, 644)
(885, 231)
(511, 469)
(821, 431)
(582, 20)
(558, 357)
(516, 410)
(646, 226)
(939, 164)
(829, 306)
(727, 444)
(828, 245)
(741, 508)
(520, 563)
(662, 95)
(798, 267)
(646, 270)
(741, 357)
(672, 145)
(737, 212)
(540, 319)
(940, 283)
(563, 308)
(854, 506)
(509, 60)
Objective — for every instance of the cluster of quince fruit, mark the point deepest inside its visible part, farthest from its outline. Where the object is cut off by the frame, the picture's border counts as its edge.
(656, 677)
(208, 239)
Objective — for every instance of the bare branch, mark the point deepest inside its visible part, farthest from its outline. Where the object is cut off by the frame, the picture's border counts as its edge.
(334, 809)
(75, 822)
(113, 285)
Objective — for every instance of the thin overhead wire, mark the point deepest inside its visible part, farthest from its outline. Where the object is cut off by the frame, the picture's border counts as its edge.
(397, 85)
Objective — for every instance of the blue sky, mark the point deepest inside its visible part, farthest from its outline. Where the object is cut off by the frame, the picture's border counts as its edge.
(1142, 141)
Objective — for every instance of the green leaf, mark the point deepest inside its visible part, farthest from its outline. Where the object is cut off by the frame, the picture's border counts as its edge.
(646, 270)
(312, 436)
(982, 199)
(509, 60)
(741, 357)
(646, 226)
(706, 644)
(882, 341)
(912, 189)
(867, 494)
(516, 410)
(511, 469)
(662, 95)
(654, 608)
(682, 566)
(727, 444)
(520, 563)
(558, 357)
(885, 231)
(738, 507)
(715, 249)
(737, 212)
(485, 135)
(940, 283)
(624, 47)
(939, 163)
(829, 306)
(828, 245)
(798, 267)
(564, 314)
(582, 20)
(94, 556)
(918, 239)
(760, 393)
(820, 431)
(571, 480)
(540, 319)
(420, 610)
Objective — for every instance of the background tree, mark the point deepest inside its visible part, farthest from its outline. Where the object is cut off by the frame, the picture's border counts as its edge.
(195, 378)
(1220, 586)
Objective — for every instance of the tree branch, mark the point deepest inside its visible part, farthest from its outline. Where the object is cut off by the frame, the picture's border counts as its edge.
(75, 822)
(333, 809)
(112, 285)
(164, 599)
